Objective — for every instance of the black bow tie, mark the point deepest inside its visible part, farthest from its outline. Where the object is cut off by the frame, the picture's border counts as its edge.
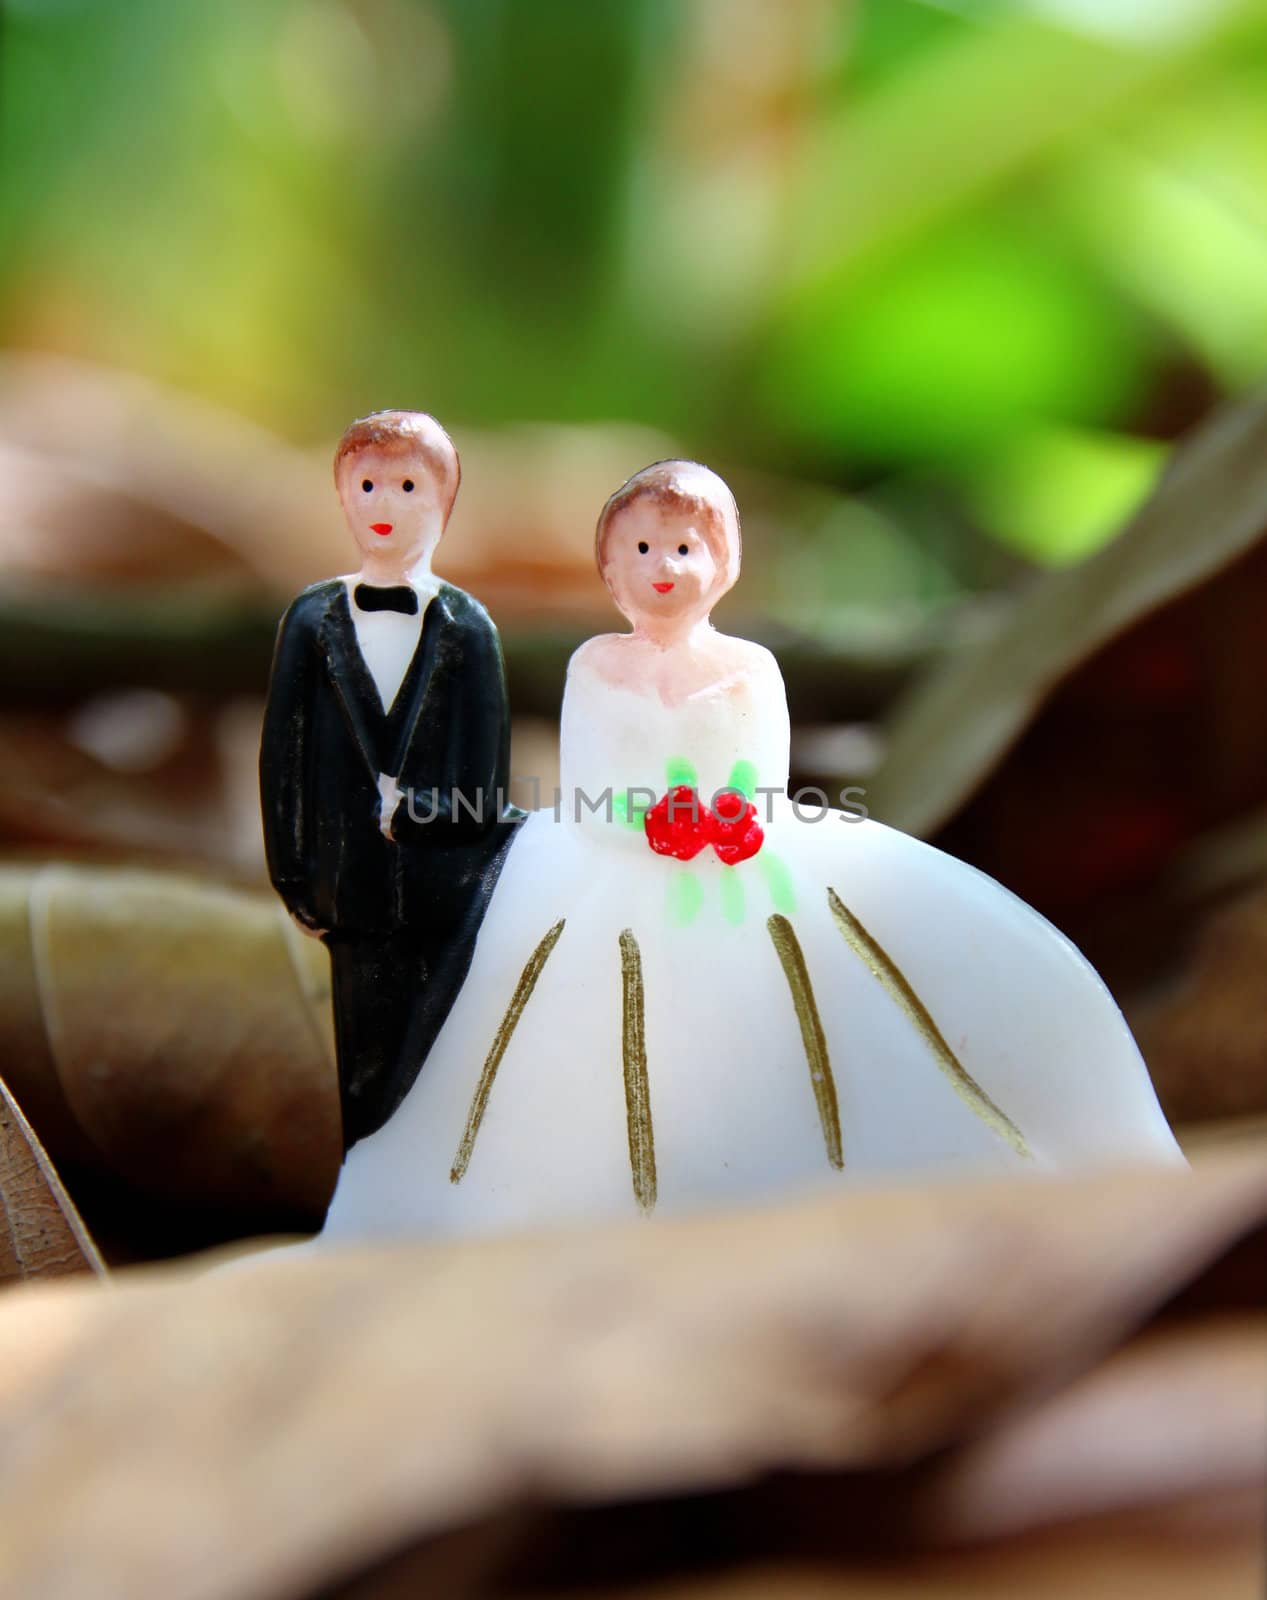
(401, 598)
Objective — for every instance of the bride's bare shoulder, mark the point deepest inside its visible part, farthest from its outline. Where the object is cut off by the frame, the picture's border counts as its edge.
(745, 658)
(608, 656)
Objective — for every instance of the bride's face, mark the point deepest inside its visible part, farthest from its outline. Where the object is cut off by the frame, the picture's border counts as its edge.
(658, 563)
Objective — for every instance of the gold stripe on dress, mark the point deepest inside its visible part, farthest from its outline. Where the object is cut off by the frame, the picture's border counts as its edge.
(796, 972)
(479, 1103)
(637, 1088)
(895, 982)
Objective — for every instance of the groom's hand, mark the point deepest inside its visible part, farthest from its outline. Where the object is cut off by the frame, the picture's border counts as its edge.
(389, 797)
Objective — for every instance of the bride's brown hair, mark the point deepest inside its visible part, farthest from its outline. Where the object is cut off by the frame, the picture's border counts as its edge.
(679, 486)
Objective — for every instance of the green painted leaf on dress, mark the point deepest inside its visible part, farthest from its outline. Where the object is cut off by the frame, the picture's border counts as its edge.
(629, 812)
(743, 776)
(778, 880)
(684, 896)
(732, 895)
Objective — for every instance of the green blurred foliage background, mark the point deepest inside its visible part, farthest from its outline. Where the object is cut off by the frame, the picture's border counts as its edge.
(975, 262)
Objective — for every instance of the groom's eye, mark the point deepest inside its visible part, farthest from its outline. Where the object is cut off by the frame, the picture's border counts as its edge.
(643, 547)
(366, 485)
(681, 550)
(408, 486)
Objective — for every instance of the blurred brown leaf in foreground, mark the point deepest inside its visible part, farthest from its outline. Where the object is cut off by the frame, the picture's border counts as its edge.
(862, 1395)
(173, 1038)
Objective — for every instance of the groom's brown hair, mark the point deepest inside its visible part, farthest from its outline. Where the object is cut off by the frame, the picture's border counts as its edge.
(416, 434)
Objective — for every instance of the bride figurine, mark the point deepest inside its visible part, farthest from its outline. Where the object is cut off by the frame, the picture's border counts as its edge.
(689, 990)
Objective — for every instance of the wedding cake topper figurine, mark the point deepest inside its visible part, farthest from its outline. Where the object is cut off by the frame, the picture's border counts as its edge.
(387, 696)
(691, 990)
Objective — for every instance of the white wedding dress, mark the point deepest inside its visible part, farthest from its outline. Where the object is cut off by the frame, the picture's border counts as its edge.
(639, 1033)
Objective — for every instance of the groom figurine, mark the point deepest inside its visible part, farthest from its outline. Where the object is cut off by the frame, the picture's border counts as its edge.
(384, 763)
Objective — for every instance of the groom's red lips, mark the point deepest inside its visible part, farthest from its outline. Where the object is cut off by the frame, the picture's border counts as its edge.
(662, 588)
(380, 527)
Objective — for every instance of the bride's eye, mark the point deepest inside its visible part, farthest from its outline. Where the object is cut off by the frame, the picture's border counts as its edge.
(408, 486)
(681, 550)
(366, 485)
(643, 547)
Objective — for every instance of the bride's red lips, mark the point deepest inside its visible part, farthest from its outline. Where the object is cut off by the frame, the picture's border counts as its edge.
(662, 588)
(380, 527)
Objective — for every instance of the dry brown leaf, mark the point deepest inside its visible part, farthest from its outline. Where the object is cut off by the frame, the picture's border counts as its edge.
(1205, 1037)
(1209, 509)
(43, 1235)
(60, 797)
(274, 1428)
(147, 482)
(151, 483)
(1105, 1445)
(1092, 1563)
(174, 1035)
(1119, 1561)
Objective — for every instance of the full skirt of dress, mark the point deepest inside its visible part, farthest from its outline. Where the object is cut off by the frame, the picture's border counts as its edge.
(639, 1034)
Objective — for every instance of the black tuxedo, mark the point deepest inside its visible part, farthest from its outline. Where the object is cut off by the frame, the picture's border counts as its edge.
(399, 915)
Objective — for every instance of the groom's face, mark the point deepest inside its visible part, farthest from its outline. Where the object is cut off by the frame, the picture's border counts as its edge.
(393, 504)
